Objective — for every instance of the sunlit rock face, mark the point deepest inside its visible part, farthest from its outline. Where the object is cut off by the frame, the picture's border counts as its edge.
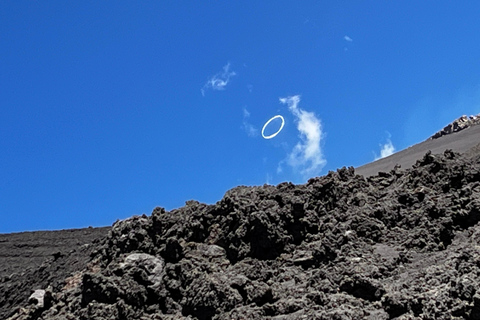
(458, 125)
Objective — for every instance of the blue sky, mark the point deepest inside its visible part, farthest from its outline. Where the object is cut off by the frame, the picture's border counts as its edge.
(109, 109)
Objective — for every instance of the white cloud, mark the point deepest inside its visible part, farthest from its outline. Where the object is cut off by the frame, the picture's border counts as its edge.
(220, 80)
(386, 150)
(268, 179)
(248, 127)
(307, 156)
(347, 38)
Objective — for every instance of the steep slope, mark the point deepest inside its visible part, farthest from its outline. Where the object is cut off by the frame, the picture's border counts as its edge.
(458, 141)
(401, 244)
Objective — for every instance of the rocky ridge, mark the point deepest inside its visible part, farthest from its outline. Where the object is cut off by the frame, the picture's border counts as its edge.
(460, 124)
(398, 245)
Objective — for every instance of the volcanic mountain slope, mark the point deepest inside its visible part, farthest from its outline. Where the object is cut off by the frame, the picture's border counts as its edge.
(462, 139)
(30, 260)
(401, 244)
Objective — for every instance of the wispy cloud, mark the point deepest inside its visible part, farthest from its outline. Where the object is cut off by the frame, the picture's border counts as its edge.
(268, 179)
(247, 126)
(347, 38)
(220, 80)
(307, 156)
(386, 150)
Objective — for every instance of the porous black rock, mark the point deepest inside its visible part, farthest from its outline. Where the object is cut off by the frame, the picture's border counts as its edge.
(397, 245)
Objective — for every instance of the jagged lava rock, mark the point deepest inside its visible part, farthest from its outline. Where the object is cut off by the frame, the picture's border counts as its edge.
(398, 245)
(458, 125)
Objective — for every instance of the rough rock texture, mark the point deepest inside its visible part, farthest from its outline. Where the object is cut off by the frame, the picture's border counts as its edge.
(399, 245)
(458, 125)
(32, 261)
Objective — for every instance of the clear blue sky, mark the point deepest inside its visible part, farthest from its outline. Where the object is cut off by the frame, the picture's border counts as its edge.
(109, 109)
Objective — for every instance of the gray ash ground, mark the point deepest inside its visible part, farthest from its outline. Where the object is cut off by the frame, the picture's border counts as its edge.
(35, 260)
(398, 245)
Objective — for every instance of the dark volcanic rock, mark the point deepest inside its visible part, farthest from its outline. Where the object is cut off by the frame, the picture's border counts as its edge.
(401, 244)
(31, 261)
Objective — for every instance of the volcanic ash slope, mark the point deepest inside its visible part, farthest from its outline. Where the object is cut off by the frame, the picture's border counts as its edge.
(401, 245)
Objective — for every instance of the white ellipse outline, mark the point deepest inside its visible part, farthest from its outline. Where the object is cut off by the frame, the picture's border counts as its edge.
(266, 124)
